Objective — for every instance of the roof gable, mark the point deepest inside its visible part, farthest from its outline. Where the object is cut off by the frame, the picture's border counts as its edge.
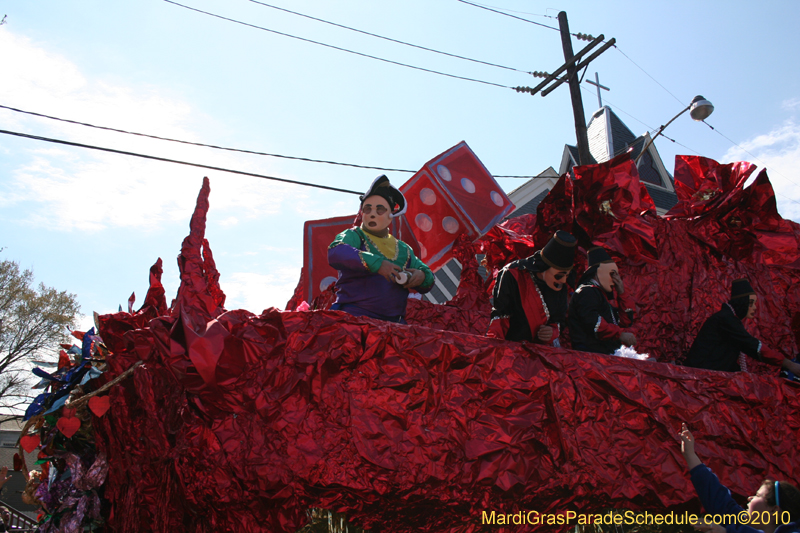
(608, 135)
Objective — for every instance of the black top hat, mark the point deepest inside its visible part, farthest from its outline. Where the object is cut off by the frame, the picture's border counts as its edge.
(559, 252)
(741, 288)
(597, 255)
(381, 187)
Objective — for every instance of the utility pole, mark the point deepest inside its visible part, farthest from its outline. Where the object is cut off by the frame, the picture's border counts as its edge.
(574, 91)
(572, 66)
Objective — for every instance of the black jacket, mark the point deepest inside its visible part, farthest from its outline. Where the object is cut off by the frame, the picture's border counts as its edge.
(507, 302)
(720, 341)
(588, 305)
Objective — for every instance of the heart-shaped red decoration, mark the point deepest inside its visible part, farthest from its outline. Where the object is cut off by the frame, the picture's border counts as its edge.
(99, 404)
(29, 442)
(68, 426)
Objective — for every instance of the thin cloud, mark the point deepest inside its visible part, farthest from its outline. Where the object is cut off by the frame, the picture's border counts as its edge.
(256, 292)
(791, 104)
(779, 152)
(122, 191)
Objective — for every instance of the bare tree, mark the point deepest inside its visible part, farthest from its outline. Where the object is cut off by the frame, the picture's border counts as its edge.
(32, 323)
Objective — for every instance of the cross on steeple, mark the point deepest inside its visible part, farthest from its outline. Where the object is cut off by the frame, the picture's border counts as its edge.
(597, 83)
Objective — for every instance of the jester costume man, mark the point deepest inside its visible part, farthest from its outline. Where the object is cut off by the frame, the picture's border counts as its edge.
(530, 295)
(376, 270)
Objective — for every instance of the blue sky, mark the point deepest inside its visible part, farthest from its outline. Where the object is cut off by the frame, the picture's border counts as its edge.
(93, 223)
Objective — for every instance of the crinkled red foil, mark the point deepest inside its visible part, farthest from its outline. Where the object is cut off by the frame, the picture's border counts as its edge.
(612, 206)
(238, 422)
(469, 310)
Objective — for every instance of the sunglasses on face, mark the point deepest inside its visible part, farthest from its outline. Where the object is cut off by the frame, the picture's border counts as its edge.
(379, 209)
(560, 276)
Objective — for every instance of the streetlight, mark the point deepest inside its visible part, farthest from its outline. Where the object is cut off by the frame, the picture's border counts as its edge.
(700, 109)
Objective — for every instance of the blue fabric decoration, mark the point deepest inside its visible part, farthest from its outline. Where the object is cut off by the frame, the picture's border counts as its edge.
(42, 384)
(91, 374)
(88, 337)
(45, 375)
(36, 406)
(57, 405)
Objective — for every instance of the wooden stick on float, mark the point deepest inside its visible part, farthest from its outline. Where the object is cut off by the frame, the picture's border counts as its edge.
(76, 404)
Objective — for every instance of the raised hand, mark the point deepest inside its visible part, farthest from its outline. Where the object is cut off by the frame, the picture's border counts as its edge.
(687, 447)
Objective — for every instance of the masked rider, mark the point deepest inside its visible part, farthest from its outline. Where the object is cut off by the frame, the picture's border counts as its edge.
(376, 270)
(601, 310)
(530, 295)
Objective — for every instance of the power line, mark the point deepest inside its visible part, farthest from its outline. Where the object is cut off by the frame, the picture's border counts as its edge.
(514, 11)
(252, 152)
(578, 35)
(582, 37)
(641, 138)
(712, 127)
(239, 150)
(523, 177)
(337, 47)
(164, 159)
(610, 104)
(650, 128)
(707, 124)
(587, 90)
(680, 144)
(481, 6)
(508, 14)
(648, 75)
(388, 38)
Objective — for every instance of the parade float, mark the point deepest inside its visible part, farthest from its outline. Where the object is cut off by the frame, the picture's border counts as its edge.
(191, 417)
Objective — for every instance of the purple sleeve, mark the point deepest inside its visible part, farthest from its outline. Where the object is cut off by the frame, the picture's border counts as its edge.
(345, 257)
(344, 254)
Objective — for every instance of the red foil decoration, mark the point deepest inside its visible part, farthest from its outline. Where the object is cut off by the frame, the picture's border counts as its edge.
(611, 206)
(240, 422)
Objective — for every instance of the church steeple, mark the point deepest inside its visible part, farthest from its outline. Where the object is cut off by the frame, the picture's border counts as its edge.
(609, 136)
